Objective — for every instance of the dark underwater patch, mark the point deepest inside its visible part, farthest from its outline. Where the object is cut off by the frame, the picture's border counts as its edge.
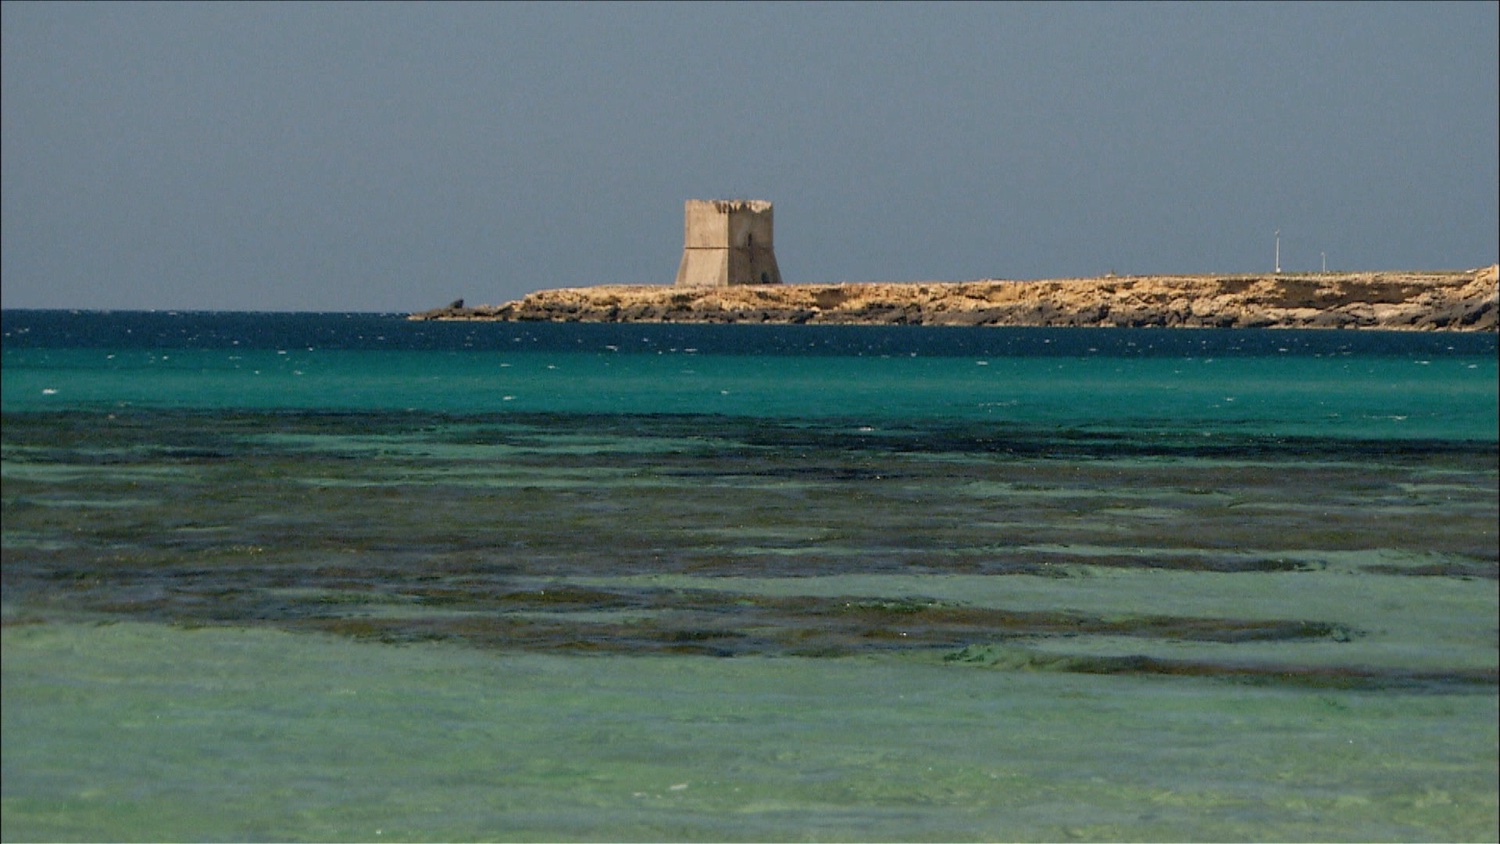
(306, 521)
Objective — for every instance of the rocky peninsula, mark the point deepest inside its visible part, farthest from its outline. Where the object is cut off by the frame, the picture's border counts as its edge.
(1457, 300)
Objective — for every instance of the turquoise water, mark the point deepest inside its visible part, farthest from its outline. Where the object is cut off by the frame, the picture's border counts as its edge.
(1366, 397)
(349, 577)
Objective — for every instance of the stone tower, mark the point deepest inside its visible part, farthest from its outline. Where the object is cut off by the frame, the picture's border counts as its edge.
(727, 241)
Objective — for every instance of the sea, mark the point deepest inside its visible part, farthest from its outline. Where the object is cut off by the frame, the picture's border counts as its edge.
(344, 577)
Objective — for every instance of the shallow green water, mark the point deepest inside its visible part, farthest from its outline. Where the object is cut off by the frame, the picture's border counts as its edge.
(213, 734)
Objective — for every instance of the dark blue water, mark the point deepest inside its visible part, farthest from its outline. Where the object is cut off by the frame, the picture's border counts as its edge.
(393, 332)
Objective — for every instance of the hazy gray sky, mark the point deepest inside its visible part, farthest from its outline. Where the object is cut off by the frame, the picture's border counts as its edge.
(391, 157)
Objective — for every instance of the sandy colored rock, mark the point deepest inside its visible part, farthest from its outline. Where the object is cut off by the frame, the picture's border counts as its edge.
(1459, 300)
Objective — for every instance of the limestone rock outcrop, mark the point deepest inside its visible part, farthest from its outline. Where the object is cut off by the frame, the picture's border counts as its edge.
(1460, 300)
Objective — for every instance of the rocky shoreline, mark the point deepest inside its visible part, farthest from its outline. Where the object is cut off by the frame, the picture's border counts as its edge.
(1459, 300)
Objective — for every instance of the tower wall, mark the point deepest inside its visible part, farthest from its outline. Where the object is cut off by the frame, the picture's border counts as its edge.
(727, 242)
